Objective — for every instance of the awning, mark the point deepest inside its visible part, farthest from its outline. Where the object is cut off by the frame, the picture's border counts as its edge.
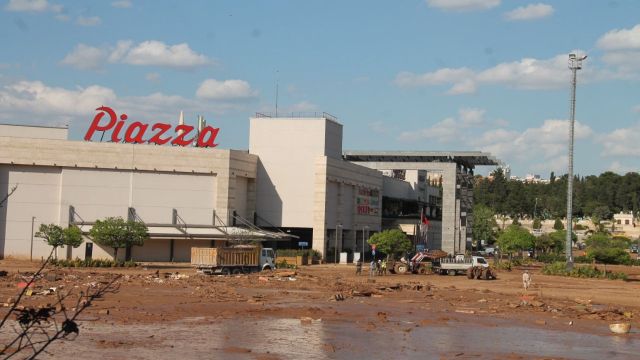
(205, 232)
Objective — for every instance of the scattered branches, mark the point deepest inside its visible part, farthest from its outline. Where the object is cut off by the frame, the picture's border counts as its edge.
(38, 327)
(4, 200)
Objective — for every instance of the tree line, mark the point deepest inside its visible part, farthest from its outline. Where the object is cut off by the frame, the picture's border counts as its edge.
(594, 196)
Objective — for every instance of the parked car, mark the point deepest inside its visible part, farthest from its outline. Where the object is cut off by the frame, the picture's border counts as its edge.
(634, 248)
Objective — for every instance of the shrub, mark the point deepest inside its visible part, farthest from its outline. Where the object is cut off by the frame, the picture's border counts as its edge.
(284, 265)
(503, 265)
(92, 263)
(550, 258)
(609, 255)
(298, 252)
(560, 269)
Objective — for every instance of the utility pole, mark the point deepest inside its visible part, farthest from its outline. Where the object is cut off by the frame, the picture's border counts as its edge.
(33, 219)
(575, 64)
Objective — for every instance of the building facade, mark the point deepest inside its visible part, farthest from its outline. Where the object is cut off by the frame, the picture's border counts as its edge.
(295, 186)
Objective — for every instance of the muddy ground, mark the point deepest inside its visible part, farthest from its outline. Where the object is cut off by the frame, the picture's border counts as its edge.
(326, 311)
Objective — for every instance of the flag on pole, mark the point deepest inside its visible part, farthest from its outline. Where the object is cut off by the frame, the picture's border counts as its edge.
(424, 227)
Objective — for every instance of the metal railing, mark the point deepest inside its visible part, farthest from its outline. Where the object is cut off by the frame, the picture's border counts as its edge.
(298, 114)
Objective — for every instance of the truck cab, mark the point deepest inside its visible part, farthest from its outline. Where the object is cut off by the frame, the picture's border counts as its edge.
(479, 261)
(267, 259)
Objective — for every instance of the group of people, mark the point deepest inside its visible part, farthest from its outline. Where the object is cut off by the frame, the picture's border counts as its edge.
(376, 268)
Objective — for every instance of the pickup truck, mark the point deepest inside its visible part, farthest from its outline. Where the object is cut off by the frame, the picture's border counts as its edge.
(458, 265)
(232, 260)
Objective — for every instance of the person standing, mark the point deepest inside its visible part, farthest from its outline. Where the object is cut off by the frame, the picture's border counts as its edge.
(359, 267)
(526, 280)
(384, 267)
(372, 268)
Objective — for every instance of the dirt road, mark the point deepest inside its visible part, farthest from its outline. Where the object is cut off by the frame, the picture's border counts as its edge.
(326, 311)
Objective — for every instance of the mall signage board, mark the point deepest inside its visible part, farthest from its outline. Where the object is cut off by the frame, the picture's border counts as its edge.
(159, 133)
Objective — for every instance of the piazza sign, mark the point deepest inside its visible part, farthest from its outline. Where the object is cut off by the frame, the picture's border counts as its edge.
(140, 133)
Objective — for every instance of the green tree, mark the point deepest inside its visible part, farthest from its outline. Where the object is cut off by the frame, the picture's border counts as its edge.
(515, 238)
(601, 213)
(558, 225)
(544, 243)
(559, 237)
(116, 233)
(484, 224)
(57, 237)
(391, 242)
(537, 224)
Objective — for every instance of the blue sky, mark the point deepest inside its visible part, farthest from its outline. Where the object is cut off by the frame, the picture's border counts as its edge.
(486, 75)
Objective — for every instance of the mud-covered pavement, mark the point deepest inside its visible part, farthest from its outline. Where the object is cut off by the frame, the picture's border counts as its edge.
(328, 312)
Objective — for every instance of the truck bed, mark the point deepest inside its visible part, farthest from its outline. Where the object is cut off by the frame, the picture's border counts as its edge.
(219, 257)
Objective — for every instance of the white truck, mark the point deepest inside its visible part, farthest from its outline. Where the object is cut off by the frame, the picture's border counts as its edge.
(232, 260)
(460, 264)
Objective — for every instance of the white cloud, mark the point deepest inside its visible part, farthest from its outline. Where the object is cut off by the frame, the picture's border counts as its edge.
(530, 12)
(123, 4)
(32, 6)
(463, 5)
(160, 54)
(34, 97)
(213, 89)
(527, 73)
(153, 77)
(448, 129)
(546, 144)
(620, 39)
(471, 116)
(54, 105)
(441, 76)
(86, 57)
(621, 142)
(145, 53)
(88, 21)
(627, 63)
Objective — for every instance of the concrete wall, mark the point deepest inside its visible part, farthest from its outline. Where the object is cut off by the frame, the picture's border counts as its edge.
(453, 236)
(286, 171)
(336, 186)
(38, 194)
(105, 179)
(398, 189)
(34, 132)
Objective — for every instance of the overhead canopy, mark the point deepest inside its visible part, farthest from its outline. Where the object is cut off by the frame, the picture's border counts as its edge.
(469, 159)
(204, 232)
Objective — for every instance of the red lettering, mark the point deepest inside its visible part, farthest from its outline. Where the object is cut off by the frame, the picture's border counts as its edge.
(95, 125)
(136, 131)
(142, 128)
(182, 131)
(212, 132)
(155, 139)
(116, 131)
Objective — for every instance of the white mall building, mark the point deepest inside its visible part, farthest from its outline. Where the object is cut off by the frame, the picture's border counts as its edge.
(294, 187)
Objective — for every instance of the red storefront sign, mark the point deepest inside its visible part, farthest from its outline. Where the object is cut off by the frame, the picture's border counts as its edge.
(160, 133)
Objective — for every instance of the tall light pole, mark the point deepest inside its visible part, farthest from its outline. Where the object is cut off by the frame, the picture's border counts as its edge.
(575, 64)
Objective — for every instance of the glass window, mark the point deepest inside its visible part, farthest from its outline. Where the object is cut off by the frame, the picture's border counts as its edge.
(481, 261)
(626, 222)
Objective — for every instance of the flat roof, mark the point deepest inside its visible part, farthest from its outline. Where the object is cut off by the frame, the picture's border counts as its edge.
(466, 158)
(38, 126)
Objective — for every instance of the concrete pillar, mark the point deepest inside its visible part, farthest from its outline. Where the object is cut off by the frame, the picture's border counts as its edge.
(225, 196)
(449, 209)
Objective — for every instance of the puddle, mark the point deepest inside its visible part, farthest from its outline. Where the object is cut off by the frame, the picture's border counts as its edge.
(275, 338)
